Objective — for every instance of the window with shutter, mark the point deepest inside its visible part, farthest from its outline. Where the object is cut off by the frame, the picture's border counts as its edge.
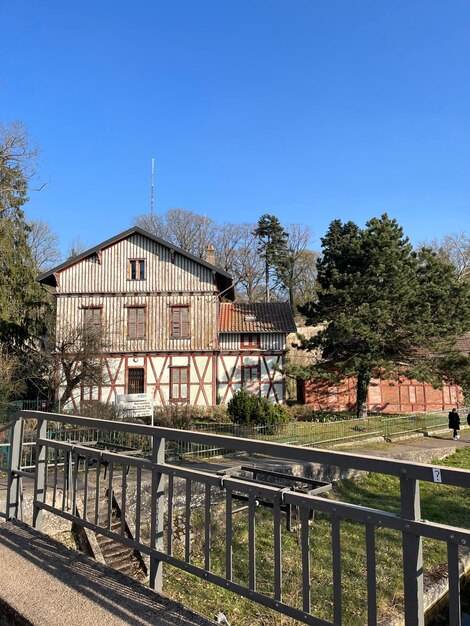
(136, 322)
(92, 317)
(180, 322)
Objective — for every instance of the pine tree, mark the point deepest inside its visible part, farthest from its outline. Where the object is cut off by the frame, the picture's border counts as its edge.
(272, 246)
(381, 304)
(21, 298)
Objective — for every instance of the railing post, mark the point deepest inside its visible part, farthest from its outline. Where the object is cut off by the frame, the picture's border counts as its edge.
(14, 464)
(157, 513)
(412, 554)
(40, 477)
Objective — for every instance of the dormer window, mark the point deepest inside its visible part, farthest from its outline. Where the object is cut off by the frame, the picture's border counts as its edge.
(250, 340)
(136, 269)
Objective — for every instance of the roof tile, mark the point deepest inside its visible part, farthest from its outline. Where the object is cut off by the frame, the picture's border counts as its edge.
(257, 317)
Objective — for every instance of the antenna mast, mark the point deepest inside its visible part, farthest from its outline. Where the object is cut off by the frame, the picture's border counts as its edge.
(152, 187)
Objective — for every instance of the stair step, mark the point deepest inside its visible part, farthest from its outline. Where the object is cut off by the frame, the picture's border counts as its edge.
(124, 568)
(116, 552)
(106, 541)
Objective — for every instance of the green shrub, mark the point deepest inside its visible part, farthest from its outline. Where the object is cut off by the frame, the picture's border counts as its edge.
(176, 416)
(245, 408)
(306, 413)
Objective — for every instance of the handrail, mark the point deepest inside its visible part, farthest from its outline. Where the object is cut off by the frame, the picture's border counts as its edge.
(93, 475)
(303, 454)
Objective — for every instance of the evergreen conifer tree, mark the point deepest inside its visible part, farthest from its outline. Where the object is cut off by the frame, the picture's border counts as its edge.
(382, 306)
(272, 246)
(21, 298)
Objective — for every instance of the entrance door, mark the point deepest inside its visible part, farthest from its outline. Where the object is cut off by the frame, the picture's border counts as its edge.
(135, 380)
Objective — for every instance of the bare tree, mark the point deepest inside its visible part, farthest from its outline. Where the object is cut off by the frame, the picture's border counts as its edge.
(186, 229)
(455, 248)
(154, 223)
(305, 286)
(68, 359)
(77, 359)
(76, 247)
(229, 238)
(44, 245)
(293, 264)
(18, 155)
(248, 268)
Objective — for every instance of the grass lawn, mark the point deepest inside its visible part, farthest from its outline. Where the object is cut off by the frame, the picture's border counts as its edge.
(448, 505)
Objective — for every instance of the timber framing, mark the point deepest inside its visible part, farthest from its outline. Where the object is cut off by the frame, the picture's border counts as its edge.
(186, 346)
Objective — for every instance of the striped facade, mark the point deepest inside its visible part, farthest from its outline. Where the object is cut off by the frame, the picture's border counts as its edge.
(161, 313)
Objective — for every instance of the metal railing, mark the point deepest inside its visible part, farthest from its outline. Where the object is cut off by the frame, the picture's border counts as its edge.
(317, 434)
(91, 475)
(320, 434)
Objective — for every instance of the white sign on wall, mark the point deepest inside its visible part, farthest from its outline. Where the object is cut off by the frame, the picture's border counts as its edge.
(135, 404)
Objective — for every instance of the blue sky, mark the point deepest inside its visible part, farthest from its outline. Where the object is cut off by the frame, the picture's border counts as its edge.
(311, 110)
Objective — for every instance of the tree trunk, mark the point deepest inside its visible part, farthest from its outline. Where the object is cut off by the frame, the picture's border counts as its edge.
(363, 380)
(267, 282)
(291, 297)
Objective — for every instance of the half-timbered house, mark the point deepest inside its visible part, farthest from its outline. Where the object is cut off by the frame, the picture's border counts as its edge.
(167, 332)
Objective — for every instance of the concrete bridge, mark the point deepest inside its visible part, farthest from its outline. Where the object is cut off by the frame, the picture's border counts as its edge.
(43, 583)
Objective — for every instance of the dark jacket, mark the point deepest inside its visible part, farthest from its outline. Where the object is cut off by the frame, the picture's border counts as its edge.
(468, 419)
(454, 420)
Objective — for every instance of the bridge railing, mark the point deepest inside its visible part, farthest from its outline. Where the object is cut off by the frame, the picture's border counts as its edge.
(74, 481)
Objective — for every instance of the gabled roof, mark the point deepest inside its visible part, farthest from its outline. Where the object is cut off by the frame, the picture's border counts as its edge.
(259, 317)
(224, 280)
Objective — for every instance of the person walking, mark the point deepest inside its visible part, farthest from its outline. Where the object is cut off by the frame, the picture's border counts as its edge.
(454, 423)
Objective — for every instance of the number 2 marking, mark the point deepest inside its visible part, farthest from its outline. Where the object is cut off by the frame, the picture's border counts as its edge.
(436, 475)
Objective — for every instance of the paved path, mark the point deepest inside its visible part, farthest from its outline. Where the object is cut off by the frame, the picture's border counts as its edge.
(49, 585)
(419, 449)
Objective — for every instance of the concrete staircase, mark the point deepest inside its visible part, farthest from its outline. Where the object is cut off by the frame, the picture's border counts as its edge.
(104, 549)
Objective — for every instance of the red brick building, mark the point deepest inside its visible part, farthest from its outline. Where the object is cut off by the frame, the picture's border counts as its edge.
(385, 396)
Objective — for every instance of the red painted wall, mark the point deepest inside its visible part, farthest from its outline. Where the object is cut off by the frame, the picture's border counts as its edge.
(385, 396)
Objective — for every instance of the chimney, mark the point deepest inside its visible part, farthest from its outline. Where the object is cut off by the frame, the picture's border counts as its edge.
(210, 254)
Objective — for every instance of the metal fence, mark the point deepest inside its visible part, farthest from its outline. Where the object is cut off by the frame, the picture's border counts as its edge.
(317, 434)
(320, 434)
(93, 475)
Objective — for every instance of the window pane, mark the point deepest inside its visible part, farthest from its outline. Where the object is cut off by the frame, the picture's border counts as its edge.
(137, 269)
